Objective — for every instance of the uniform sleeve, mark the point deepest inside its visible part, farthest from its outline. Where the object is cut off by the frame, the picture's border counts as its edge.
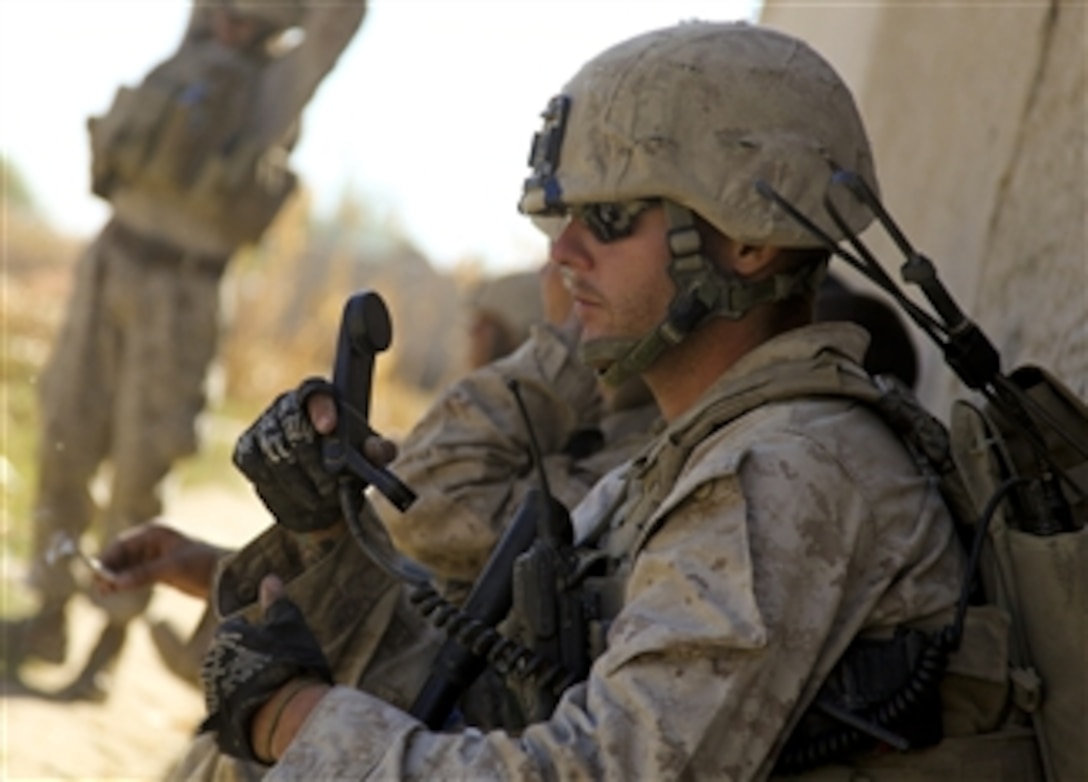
(291, 80)
(704, 667)
(469, 460)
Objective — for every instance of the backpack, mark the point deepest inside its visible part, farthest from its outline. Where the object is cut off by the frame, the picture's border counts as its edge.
(1034, 563)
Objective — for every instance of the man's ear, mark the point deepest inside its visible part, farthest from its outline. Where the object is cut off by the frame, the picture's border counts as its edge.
(749, 260)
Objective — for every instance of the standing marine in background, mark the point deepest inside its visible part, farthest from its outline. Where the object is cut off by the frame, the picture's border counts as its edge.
(193, 162)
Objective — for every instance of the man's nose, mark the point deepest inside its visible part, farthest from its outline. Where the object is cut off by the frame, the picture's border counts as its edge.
(568, 248)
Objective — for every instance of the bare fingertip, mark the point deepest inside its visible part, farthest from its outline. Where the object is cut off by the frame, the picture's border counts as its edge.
(271, 590)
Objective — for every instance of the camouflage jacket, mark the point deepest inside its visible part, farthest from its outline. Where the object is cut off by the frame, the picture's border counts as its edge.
(469, 459)
(771, 541)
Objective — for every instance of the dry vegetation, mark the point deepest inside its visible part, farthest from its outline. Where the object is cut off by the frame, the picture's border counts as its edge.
(282, 306)
(33, 290)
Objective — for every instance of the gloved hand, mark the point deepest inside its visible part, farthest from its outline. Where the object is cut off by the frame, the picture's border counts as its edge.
(280, 454)
(247, 663)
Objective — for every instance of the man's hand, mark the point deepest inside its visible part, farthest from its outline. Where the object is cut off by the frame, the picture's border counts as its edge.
(248, 664)
(152, 554)
(281, 455)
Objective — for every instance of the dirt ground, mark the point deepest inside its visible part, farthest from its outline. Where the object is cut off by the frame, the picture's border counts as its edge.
(150, 714)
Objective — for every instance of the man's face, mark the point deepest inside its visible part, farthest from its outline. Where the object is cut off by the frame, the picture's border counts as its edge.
(234, 30)
(620, 288)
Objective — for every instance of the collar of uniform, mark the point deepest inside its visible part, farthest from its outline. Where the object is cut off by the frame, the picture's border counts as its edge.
(797, 345)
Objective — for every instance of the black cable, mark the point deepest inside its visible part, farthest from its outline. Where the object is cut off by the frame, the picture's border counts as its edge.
(967, 351)
(892, 715)
(982, 526)
(374, 541)
(933, 328)
(505, 655)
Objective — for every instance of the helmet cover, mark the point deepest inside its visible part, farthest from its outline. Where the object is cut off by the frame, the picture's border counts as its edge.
(698, 113)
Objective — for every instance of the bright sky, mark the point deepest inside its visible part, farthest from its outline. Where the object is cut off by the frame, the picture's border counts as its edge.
(429, 112)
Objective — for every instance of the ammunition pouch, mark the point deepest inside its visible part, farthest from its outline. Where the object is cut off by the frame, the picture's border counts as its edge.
(120, 139)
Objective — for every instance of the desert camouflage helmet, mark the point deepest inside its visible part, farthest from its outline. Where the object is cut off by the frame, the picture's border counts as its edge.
(695, 115)
(278, 14)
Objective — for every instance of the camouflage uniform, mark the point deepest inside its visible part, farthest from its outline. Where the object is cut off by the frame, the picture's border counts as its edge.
(465, 449)
(193, 162)
(753, 551)
(468, 461)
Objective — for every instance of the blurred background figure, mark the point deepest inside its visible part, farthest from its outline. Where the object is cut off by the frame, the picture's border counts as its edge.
(500, 313)
(891, 349)
(193, 162)
(555, 299)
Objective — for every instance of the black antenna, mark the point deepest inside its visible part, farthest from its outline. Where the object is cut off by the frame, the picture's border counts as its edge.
(534, 446)
(548, 522)
(967, 350)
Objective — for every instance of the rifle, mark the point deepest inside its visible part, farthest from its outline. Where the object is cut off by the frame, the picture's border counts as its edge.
(463, 656)
(534, 568)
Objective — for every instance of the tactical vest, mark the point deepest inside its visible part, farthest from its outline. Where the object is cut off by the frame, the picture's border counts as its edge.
(184, 139)
(1004, 749)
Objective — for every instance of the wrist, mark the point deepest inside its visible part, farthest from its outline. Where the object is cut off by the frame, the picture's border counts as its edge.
(279, 719)
(203, 582)
(299, 708)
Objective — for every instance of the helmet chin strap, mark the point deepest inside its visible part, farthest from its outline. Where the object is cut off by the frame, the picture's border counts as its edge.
(703, 290)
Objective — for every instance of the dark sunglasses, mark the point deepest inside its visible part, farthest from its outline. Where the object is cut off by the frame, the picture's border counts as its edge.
(607, 221)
